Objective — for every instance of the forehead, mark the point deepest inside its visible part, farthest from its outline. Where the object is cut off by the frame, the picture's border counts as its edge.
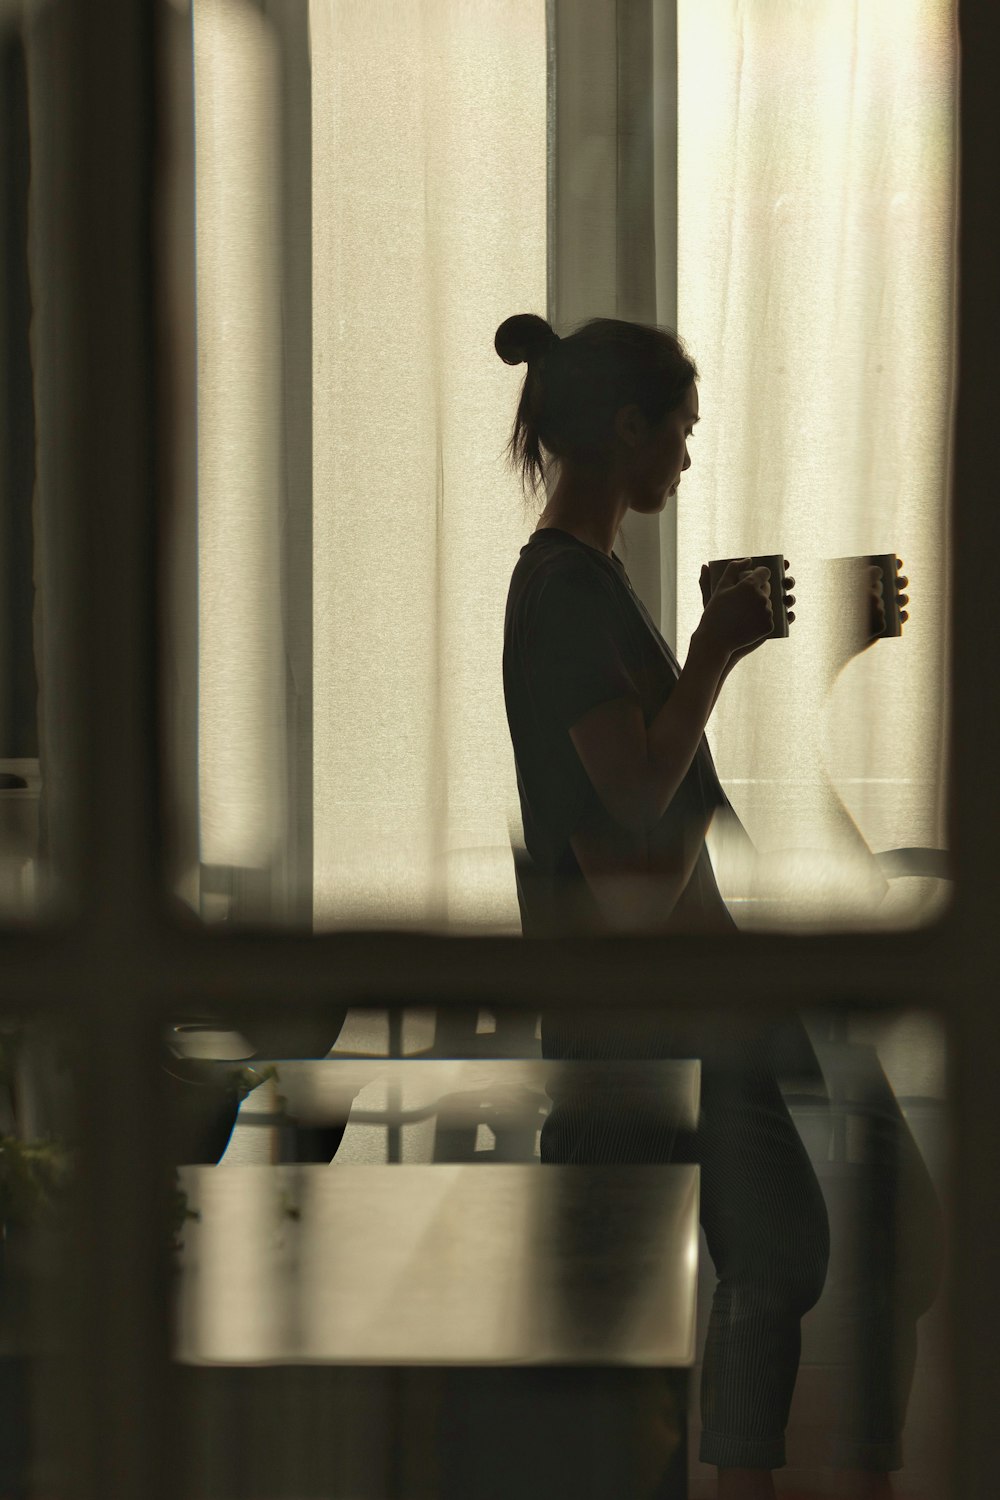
(689, 406)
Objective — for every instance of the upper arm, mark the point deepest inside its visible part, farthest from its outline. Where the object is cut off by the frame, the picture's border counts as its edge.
(636, 859)
(578, 650)
(610, 740)
(585, 682)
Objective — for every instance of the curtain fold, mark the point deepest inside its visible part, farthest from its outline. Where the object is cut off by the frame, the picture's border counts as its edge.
(242, 709)
(237, 222)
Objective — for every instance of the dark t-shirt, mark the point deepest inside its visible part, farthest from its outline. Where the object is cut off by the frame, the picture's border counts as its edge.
(576, 635)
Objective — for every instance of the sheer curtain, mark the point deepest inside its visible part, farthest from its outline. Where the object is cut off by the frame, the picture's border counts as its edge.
(816, 188)
(429, 227)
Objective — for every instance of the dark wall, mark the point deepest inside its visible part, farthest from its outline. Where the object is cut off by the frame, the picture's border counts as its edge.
(18, 689)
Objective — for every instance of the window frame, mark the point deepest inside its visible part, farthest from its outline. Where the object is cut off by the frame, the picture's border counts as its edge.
(122, 958)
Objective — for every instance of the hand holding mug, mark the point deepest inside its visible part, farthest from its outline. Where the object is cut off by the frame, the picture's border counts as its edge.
(886, 585)
(738, 612)
(781, 598)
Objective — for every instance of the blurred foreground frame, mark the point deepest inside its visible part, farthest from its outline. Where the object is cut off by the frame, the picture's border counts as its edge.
(118, 963)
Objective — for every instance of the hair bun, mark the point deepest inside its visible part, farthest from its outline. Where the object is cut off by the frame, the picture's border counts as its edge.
(523, 338)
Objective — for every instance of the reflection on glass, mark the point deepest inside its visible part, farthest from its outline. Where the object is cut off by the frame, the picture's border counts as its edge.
(38, 1140)
(815, 286)
(815, 1155)
(853, 876)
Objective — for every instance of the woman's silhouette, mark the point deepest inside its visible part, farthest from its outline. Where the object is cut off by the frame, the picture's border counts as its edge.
(617, 791)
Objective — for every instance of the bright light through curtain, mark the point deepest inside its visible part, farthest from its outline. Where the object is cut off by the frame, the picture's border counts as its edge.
(816, 186)
(429, 228)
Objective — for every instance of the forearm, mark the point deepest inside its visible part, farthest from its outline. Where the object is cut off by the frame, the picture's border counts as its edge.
(636, 879)
(675, 734)
(730, 664)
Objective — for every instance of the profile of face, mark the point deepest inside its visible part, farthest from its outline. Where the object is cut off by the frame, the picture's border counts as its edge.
(655, 457)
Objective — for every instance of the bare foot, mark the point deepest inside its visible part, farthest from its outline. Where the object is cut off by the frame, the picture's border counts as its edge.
(746, 1484)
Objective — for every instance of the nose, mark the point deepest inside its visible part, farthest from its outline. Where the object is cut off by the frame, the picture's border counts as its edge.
(687, 459)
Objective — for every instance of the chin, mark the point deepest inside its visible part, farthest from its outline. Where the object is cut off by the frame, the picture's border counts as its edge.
(653, 502)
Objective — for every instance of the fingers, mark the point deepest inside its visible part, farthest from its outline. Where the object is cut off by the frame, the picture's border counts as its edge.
(761, 586)
(901, 583)
(757, 582)
(734, 572)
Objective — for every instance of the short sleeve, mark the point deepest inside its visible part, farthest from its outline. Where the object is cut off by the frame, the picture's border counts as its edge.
(577, 645)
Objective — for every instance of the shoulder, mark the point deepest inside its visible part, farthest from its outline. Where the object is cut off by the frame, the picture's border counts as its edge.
(555, 571)
(565, 601)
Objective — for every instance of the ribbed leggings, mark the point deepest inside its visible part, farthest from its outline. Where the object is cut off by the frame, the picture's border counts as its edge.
(766, 1226)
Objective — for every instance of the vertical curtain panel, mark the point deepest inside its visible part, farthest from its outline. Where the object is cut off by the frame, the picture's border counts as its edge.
(816, 226)
(429, 228)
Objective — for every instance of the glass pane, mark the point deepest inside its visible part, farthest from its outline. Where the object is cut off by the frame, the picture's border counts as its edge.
(344, 528)
(351, 1284)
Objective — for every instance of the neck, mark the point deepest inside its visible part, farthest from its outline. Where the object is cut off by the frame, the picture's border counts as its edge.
(590, 507)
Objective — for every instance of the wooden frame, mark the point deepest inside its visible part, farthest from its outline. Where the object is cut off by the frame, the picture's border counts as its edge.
(117, 963)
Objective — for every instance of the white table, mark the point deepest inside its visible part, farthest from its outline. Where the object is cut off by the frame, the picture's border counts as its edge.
(443, 1263)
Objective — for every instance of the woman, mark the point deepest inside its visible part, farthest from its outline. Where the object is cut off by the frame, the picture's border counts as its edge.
(617, 791)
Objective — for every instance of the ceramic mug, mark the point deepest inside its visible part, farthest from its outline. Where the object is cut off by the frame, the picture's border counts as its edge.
(775, 563)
